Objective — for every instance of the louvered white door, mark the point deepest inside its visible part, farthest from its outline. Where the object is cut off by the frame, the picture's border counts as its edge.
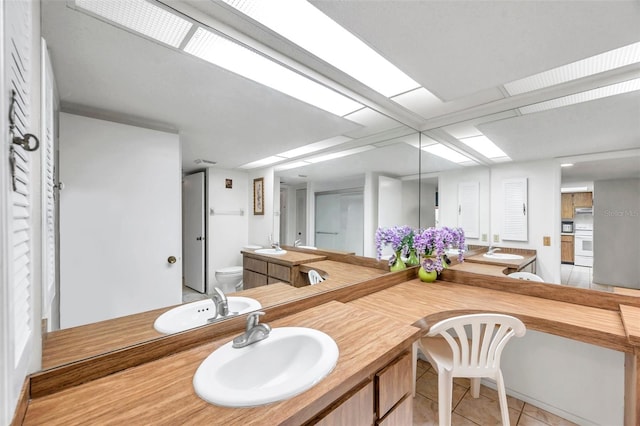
(16, 266)
(515, 224)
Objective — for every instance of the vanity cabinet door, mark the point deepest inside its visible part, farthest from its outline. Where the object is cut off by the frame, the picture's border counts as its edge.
(282, 273)
(252, 279)
(393, 383)
(255, 265)
(355, 409)
(401, 415)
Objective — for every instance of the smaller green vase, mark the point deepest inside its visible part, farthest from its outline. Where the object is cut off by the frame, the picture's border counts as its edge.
(399, 264)
(413, 258)
(427, 277)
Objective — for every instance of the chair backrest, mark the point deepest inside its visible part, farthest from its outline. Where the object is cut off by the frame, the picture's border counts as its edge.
(477, 341)
(314, 277)
(525, 276)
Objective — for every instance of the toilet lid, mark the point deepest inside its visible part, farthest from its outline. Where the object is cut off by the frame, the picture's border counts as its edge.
(252, 247)
(229, 270)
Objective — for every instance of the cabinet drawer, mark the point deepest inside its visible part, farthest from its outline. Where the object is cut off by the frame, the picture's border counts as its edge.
(393, 383)
(283, 273)
(401, 415)
(252, 279)
(255, 265)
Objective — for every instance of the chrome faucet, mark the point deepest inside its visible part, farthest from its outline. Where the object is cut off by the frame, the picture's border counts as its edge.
(254, 331)
(297, 242)
(276, 245)
(220, 300)
(492, 249)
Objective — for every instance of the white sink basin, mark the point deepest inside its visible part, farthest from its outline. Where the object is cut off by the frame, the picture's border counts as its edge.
(287, 363)
(270, 251)
(503, 256)
(195, 314)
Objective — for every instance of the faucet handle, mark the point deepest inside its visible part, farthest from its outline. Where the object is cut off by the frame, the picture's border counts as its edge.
(253, 319)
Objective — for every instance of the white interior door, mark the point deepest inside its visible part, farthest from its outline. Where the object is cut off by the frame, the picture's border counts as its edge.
(193, 231)
(301, 216)
(120, 220)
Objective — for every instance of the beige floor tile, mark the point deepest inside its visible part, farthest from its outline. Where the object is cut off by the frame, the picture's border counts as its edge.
(530, 421)
(425, 413)
(545, 416)
(427, 385)
(484, 411)
(512, 402)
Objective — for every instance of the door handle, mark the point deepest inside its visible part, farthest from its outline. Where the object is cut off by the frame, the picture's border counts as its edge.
(171, 259)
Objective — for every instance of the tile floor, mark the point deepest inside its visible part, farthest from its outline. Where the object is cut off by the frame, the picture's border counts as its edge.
(468, 411)
(581, 277)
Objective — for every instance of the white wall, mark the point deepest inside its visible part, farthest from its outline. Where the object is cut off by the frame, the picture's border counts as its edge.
(577, 381)
(616, 232)
(543, 181)
(448, 199)
(226, 233)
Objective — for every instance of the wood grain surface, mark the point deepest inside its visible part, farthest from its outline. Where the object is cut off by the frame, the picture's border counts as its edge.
(631, 320)
(161, 392)
(423, 304)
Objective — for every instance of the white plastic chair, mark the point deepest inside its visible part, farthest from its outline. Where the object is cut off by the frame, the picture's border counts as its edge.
(528, 276)
(453, 352)
(314, 277)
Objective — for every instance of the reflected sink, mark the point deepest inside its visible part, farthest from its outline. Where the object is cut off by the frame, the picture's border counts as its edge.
(195, 314)
(288, 362)
(270, 251)
(503, 256)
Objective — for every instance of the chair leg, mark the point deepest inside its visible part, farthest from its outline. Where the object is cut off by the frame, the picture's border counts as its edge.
(502, 396)
(475, 387)
(445, 390)
(414, 354)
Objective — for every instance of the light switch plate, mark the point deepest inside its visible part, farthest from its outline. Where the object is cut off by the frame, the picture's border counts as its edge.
(484, 237)
(496, 238)
(546, 241)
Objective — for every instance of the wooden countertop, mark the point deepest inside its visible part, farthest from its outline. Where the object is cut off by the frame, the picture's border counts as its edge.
(528, 257)
(338, 274)
(71, 344)
(290, 258)
(161, 392)
(418, 303)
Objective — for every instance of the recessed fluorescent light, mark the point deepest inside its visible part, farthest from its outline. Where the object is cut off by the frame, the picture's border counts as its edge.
(340, 154)
(261, 163)
(484, 146)
(142, 17)
(292, 165)
(317, 146)
(305, 25)
(574, 189)
(447, 153)
(566, 165)
(599, 63)
(238, 59)
(589, 95)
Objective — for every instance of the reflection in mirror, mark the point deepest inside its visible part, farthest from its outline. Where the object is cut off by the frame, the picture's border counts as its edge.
(107, 73)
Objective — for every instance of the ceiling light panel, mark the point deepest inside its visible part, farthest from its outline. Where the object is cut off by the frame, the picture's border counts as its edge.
(303, 24)
(262, 163)
(484, 146)
(589, 95)
(606, 61)
(238, 59)
(142, 17)
(447, 153)
(317, 146)
(340, 154)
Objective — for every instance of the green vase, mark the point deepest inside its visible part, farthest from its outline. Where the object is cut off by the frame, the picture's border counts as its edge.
(413, 258)
(399, 264)
(427, 277)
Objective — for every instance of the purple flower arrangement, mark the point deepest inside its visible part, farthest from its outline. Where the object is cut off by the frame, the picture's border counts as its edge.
(430, 243)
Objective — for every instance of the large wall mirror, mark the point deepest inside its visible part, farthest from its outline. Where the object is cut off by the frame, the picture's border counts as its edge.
(415, 142)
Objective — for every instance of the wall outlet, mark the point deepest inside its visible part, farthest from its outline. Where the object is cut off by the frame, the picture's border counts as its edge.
(484, 237)
(546, 241)
(496, 238)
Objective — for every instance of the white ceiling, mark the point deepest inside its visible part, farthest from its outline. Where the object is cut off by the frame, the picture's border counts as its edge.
(462, 51)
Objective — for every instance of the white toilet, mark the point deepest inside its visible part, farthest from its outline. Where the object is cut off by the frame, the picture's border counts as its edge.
(230, 278)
